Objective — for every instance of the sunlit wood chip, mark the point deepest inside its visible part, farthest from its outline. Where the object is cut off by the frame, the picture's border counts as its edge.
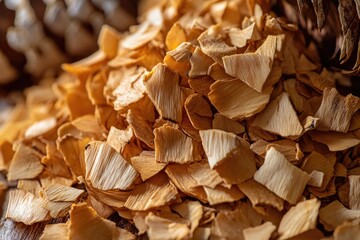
(155, 192)
(354, 194)
(31, 186)
(204, 175)
(181, 176)
(141, 127)
(334, 140)
(318, 162)
(348, 231)
(143, 34)
(190, 210)
(118, 139)
(336, 111)
(299, 219)
(238, 165)
(228, 125)
(291, 150)
(162, 228)
(169, 100)
(57, 209)
(182, 52)
(198, 111)
(25, 164)
(108, 41)
(6, 154)
(199, 63)
(172, 145)
(240, 37)
(317, 179)
(217, 145)
(86, 224)
(106, 168)
(235, 100)
(279, 117)
(336, 214)
(281, 177)
(262, 232)
(86, 65)
(58, 192)
(41, 127)
(256, 66)
(146, 164)
(175, 36)
(213, 45)
(129, 86)
(55, 231)
(221, 194)
(260, 195)
(26, 208)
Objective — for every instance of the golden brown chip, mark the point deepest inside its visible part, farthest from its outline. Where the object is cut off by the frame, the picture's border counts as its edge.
(291, 150)
(146, 164)
(354, 193)
(221, 194)
(55, 231)
(296, 98)
(204, 175)
(31, 186)
(228, 125)
(108, 41)
(262, 232)
(334, 140)
(198, 111)
(58, 192)
(200, 63)
(175, 36)
(41, 127)
(348, 231)
(6, 154)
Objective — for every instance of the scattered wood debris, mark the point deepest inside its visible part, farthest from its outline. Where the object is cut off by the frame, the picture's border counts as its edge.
(208, 120)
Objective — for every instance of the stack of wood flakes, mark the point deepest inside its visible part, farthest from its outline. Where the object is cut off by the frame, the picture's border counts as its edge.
(209, 120)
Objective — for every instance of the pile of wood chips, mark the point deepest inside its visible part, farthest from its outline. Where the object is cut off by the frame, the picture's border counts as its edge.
(210, 119)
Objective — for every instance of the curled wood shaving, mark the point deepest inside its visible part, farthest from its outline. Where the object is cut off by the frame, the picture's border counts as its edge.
(275, 170)
(26, 208)
(106, 168)
(299, 219)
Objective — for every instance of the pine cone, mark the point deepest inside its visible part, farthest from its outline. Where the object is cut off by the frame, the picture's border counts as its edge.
(37, 36)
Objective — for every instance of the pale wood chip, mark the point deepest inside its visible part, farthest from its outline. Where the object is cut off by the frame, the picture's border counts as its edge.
(336, 214)
(198, 111)
(106, 168)
(240, 37)
(291, 150)
(86, 224)
(348, 231)
(334, 140)
(147, 165)
(354, 193)
(25, 164)
(281, 177)
(318, 162)
(143, 34)
(55, 231)
(190, 210)
(317, 178)
(261, 232)
(235, 100)
(118, 139)
(260, 195)
(101, 209)
(172, 145)
(279, 117)
(336, 111)
(86, 65)
(181, 53)
(139, 222)
(299, 219)
(58, 192)
(204, 175)
(155, 192)
(217, 144)
(228, 125)
(108, 41)
(40, 128)
(26, 208)
(213, 45)
(141, 127)
(221, 194)
(169, 100)
(199, 63)
(57, 209)
(162, 228)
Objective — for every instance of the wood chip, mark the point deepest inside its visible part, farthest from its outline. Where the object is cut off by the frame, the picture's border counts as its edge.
(354, 193)
(168, 102)
(348, 231)
(55, 231)
(41, 127)
(275, 170)
(221, 194)
(228, 125)
(279, 117)
(26, 208)
(200, 63)
(262, 232)
(240, 37)
(58, 192)
(106, 168)
(147, 165)
(299, 219)
(336, 111)
(198, 111)
(25, 164)
(334, 140)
